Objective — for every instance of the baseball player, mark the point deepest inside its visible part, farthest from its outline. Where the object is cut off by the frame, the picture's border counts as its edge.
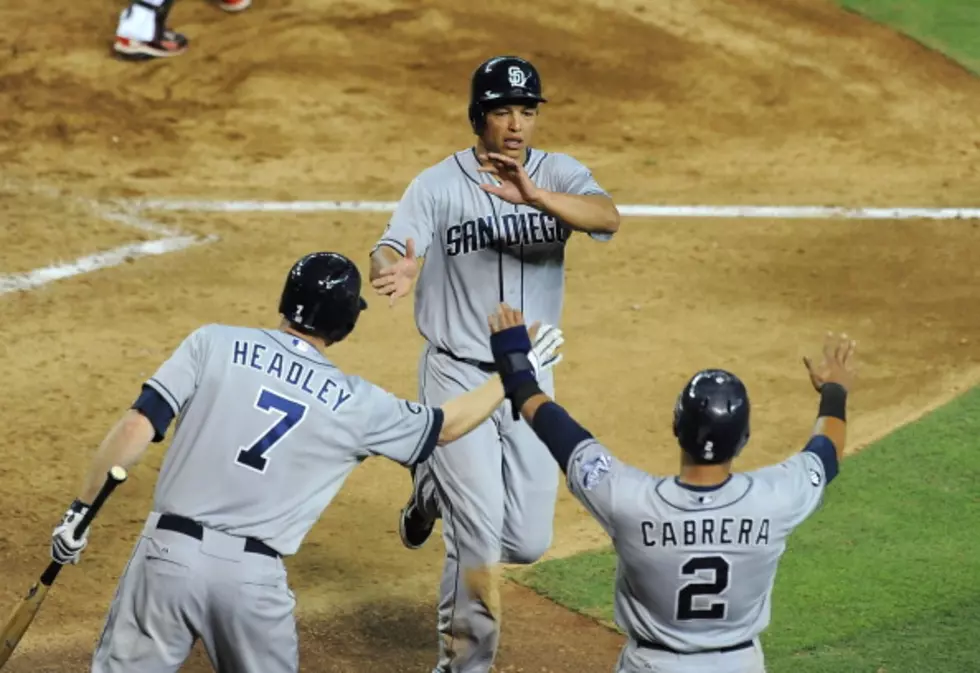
(491, 223)
(142, 33)
(697, 552)
(268, 429)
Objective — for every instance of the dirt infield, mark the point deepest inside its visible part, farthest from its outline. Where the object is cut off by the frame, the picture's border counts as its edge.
(694, 101)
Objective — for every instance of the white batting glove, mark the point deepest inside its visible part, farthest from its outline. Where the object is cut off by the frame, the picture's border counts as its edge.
(65, 548)
(544, 353)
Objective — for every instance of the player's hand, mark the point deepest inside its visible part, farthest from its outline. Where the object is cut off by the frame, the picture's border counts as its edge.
(546, 339)
(505, 318)
(395, 281)
(838, 362)
(65, 548)
(515, 185)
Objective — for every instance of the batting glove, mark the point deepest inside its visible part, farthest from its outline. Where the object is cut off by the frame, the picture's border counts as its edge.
(544, 355)
(65, 548)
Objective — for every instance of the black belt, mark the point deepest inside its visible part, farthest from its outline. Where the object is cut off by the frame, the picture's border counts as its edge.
(646, 644)
(191, 528)
(488, 367)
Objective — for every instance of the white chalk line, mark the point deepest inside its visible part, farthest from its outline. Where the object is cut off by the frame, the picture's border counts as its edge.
(639, 210)
(94, 262)
(170, 240)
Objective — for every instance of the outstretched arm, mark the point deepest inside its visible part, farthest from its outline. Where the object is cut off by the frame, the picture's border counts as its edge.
(464, 413)
(591, 213)
(831, 378)
(550, 422)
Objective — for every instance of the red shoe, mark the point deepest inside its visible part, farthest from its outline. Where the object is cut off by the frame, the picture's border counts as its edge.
(170, 44)
(234, 5)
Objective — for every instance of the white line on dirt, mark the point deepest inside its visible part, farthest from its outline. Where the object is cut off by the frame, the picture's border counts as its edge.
(100, 260)
(775, 212)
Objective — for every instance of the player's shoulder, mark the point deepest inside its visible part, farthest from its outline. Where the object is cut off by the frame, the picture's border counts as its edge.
(553, 160)
(791, 469)
(449, 167)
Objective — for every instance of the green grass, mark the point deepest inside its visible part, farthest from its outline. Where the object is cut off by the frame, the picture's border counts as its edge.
(886, 576)
(949, 26)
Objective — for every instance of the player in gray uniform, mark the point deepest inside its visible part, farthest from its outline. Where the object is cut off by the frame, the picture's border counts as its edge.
(268, 429)
(492, 223)
(697, 552)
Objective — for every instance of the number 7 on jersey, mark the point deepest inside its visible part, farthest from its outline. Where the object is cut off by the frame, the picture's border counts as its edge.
(254, 457)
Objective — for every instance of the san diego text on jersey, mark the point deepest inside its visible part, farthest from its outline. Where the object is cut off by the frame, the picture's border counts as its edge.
(511, 229)
(706, 532)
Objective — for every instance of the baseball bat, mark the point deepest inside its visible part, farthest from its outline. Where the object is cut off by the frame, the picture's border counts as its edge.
(26, 610)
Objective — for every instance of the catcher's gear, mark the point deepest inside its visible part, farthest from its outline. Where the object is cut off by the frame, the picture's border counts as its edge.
(711, 417)
(322, 296)
(502, 80)
(65, 548)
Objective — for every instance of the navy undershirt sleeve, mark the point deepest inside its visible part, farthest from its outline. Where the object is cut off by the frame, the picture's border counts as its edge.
(559, 432)
(823, 448)
(156, 409)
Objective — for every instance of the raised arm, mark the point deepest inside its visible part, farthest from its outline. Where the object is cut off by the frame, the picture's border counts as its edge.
(550, 422)
(584, 207)
(832, 378)
(464, 413)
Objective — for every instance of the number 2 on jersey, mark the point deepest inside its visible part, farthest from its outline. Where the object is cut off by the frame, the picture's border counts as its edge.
(721, 570)
(254, 457)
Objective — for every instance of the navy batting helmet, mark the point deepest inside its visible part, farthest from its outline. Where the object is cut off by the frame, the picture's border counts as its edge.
(711, 418)
(322, 296)
(502, 80)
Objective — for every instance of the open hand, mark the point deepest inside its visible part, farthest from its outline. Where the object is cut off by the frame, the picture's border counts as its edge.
(395, 281)
(545, 339)
(837, 365)
(515, 185)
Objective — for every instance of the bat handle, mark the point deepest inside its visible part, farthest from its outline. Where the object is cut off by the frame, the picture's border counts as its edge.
(115, 476)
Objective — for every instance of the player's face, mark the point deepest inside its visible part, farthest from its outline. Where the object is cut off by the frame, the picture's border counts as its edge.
(510, 129)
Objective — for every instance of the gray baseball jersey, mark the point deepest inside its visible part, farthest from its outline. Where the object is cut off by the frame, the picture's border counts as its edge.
(480, 250)
(696, 565)
(268, 430)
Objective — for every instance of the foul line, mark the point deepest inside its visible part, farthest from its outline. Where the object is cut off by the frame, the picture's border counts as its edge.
(100, 260)
(170, 241)
(768, 212)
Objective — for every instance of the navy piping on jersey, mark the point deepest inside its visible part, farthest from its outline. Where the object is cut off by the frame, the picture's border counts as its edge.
(321, 362)
(701, 489)
(748, 488)
(496, 223)
(173, 398)
(398, 246)
(430, 438)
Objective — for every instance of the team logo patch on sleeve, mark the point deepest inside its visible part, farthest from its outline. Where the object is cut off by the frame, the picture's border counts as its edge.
(815, 477)
(594, 470)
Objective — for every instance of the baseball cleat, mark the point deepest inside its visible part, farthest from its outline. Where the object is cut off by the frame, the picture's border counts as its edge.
(414, 527)
(234, 5)
(170, 44)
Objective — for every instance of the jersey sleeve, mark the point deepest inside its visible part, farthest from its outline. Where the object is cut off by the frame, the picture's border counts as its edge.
(798, 483)
(178, 377)
(403, 431)
(414, 217)
(575, 178)
(595, 477)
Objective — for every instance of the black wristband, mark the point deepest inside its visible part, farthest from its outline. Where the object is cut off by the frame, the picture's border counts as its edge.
(833, 401)
(522, 394)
